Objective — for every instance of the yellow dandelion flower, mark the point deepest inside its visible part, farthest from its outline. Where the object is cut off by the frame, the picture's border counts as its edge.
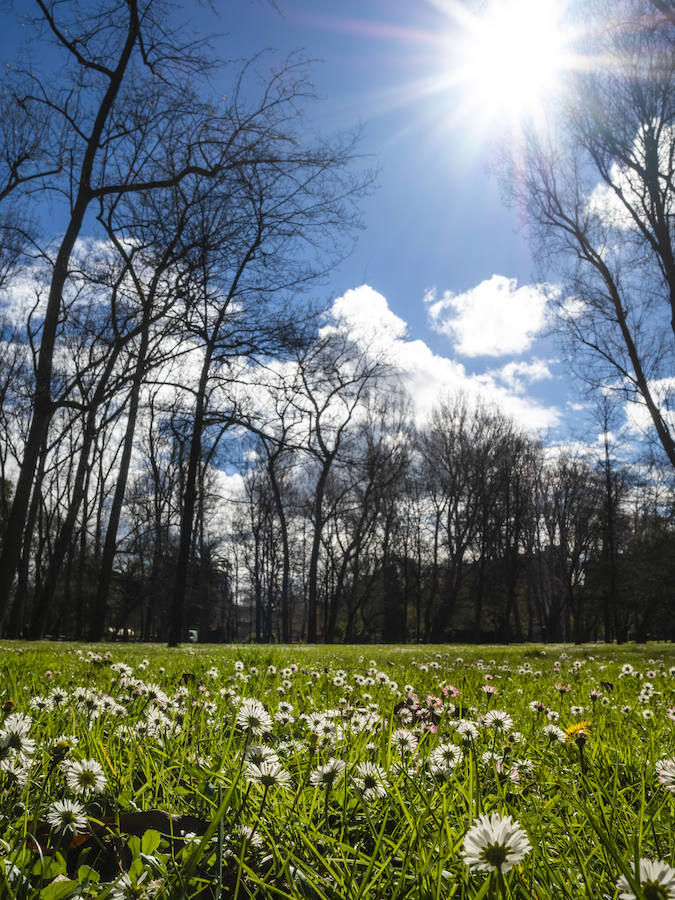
(578, 733)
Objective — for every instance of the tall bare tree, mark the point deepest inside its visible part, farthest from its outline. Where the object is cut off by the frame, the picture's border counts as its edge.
(599, 189)
(128, 119)
(333, 381)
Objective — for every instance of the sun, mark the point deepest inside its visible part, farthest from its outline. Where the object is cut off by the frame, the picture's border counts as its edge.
(509, 60)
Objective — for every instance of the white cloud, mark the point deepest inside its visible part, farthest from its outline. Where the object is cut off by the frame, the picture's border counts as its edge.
(516, 375)
(429, 377)
(365, 314)
(586, 450)
(575, 406)
(495, 318)
(229, 488)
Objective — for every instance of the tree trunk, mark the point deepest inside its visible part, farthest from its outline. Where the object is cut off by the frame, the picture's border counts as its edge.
(65, 536)
(286, 635)
(188, 509)
(99, 608)
(312, 575)
(17, 614)
(43, 406)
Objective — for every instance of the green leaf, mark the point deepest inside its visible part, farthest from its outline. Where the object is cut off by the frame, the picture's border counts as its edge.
(50, 867)
(58, 889)
(136, 869)
(150, 841)
(86, 873)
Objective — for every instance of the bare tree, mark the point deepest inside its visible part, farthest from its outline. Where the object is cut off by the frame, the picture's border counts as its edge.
(569, 512)
(332, 384)
(251, 263)
(455, 447)
(129, 120)
(599, 189)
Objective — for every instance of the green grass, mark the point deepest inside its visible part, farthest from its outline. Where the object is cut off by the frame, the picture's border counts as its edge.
(180, 816)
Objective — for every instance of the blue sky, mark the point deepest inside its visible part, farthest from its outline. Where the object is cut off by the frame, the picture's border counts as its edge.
(442, 266)
(436, 216)
(436, 224)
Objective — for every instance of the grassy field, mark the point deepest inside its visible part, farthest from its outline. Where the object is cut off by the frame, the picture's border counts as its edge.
(337, 772)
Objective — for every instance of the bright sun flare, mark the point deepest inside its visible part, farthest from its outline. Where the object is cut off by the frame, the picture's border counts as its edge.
(512, 56)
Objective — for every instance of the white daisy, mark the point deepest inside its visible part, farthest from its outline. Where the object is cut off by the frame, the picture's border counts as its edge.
(494, 844)
(268, 774)
(554, 733)
(328, 774)
(16, 770)
(85, 776)
(443, 760)
(404, 740)
(253, 717)
(283, 718)
(88, 701)
(155, 694)
(259, 753)
(14, 734)
(122, 669)
(67, 816)
(141, 889)
(370, 780)
(40, 704)
(657, 881)
(312, 720)
(246, 833)
(58, 696)
(499, 720)
(467, 730)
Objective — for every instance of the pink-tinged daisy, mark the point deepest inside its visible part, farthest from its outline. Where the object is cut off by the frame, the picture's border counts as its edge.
(665, 772)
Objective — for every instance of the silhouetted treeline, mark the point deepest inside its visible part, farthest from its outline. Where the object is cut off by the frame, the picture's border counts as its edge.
(324, 508)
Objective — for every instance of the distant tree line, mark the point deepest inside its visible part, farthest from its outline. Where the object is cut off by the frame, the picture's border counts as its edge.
(343, 522)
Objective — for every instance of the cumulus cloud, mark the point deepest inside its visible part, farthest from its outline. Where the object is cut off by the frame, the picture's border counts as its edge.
(366, 316)
(517, 375)
(495, 318)
(428, 376)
